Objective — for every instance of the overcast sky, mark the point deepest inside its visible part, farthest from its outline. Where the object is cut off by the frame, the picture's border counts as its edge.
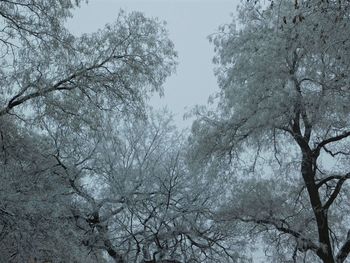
(189, 22)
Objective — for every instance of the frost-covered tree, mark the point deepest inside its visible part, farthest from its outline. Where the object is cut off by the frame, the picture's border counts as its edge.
(52, 74)
(58, 92)
(148, 207)
(35, 216)
(282, 123)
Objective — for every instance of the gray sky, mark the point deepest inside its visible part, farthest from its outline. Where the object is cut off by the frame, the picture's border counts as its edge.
(189, 23)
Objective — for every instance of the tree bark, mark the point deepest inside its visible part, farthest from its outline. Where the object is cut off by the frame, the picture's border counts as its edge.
(308, 171)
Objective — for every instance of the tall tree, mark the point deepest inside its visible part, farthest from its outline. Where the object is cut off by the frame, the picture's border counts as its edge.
(58, 92)
(283, 116)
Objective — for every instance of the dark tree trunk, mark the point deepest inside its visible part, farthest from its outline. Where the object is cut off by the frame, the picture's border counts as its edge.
(308, 172)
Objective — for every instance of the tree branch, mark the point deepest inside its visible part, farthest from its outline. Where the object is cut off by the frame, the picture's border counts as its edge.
(329, 140)
(344, 250)
(280, 225)
(336, 191)
(15, 101)
(332, 177)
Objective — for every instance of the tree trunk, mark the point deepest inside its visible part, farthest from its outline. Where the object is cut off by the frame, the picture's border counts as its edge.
(308, 171)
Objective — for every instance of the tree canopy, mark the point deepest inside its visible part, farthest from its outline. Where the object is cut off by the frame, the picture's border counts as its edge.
(283, 116)
(91, 173)
(58, 92)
